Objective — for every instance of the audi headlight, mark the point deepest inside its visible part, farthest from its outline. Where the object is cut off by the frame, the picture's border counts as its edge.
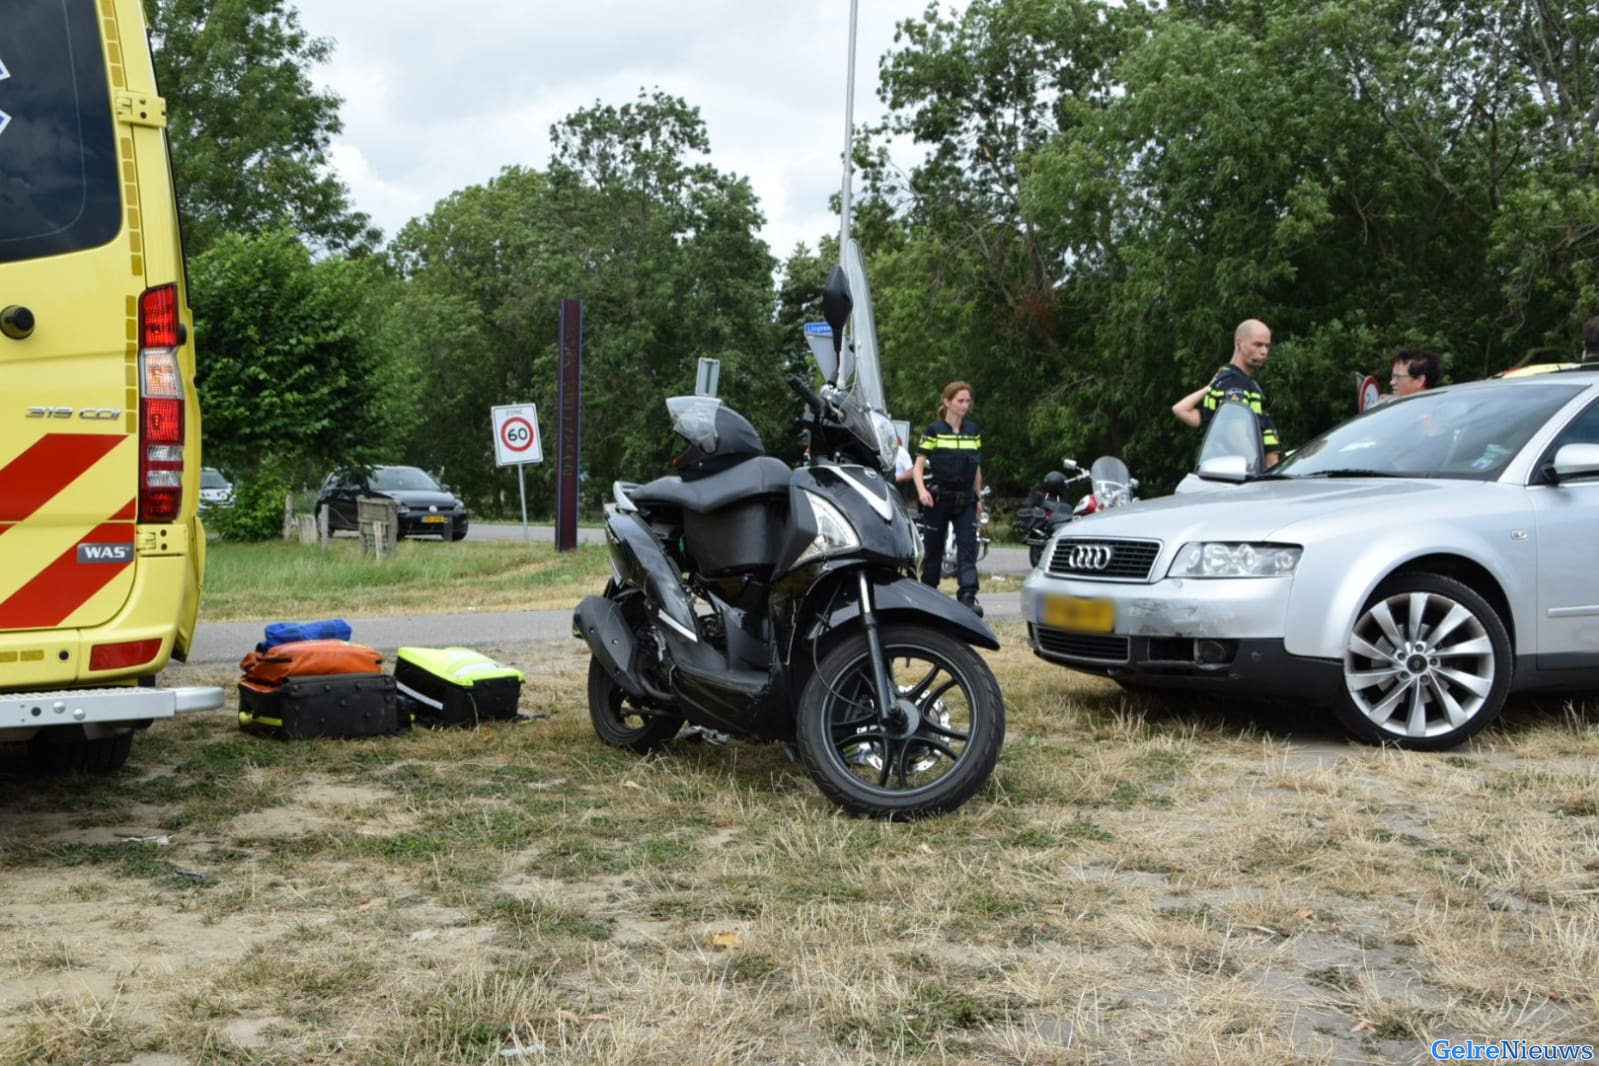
(833, 531)
(1233, 559)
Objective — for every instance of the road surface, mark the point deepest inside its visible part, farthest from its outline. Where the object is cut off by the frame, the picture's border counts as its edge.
(226, 642)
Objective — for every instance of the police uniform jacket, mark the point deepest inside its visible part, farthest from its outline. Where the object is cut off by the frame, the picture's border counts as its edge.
(953, 458)
(1232, 384)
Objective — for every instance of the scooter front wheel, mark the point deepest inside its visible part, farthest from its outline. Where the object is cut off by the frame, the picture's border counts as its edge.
(622, 726)
(927, 754)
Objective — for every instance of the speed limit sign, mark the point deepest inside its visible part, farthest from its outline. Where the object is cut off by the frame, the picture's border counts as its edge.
(516, 435)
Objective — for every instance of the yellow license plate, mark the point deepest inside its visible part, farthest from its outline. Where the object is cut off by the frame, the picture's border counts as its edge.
(1079, 614)
(434, 519)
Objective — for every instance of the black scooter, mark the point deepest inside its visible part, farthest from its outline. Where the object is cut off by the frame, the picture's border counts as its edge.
(778, 604)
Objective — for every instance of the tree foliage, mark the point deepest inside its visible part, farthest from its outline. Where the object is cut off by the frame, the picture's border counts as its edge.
(249, 132)
(1103, 190)
(660, 247)
(294, 377)
(1110, 188)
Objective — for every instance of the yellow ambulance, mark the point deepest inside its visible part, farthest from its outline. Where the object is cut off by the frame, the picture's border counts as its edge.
(101, 549)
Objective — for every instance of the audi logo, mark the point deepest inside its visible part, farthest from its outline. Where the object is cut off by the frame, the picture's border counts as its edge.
(1089, 556)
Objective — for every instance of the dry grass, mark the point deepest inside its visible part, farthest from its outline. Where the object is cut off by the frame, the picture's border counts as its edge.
(1142, 881)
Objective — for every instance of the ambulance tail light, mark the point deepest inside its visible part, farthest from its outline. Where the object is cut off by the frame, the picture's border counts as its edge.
(123, 654)
(160, 406)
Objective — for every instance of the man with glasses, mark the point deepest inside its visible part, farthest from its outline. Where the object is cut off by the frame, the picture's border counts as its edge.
(1414, 369)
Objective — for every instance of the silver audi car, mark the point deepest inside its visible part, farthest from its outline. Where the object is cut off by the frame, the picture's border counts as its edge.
(1407, 570)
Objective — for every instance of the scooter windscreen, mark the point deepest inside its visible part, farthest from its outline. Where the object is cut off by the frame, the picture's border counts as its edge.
(862, 376)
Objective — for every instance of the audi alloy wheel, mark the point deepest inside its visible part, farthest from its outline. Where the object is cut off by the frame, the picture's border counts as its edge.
(1427, 665)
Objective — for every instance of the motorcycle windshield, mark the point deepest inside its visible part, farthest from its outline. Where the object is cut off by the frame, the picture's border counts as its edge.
(1110, 477)
(867, 383)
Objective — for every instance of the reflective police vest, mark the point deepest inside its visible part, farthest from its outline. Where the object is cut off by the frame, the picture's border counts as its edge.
(953, 458)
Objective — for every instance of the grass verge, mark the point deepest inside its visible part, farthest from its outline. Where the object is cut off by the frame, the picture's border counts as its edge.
(1142, 880)
(281, 579)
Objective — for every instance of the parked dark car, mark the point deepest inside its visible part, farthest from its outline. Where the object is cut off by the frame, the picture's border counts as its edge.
(427, 508)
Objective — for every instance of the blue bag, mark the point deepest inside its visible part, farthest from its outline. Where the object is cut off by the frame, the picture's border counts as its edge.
(293, 632)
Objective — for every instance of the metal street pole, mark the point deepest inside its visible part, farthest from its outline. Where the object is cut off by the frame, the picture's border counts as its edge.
(849, 129)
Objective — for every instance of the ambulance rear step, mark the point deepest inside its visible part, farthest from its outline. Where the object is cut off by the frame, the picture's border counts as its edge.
(104, 705)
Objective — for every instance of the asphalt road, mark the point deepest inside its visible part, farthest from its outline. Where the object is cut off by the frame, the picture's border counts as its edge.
(227, 642)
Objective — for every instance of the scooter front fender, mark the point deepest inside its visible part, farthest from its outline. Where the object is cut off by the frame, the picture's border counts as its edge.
(906, 601)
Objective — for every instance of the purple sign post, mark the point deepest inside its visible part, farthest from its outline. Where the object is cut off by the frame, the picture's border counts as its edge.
(569, 425)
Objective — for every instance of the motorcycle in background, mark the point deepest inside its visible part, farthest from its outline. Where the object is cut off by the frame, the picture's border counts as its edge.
(1114, 486)
(1111, 485)
(1047, 509)
(778, 604)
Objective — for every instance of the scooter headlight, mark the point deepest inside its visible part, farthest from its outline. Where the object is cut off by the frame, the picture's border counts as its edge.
(887, 441)
(834, 533)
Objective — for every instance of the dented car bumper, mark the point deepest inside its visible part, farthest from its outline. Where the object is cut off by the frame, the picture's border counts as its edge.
(1178, 632)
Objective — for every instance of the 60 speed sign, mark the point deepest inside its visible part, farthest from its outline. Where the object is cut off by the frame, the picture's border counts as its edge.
(516, 434)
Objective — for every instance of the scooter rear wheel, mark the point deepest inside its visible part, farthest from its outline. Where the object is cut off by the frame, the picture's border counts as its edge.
(929, 753)
(622, 726)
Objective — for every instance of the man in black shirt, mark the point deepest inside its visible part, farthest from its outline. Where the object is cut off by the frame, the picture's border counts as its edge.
(1236, 382)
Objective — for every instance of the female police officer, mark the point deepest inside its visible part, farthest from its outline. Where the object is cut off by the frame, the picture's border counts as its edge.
(951, 450)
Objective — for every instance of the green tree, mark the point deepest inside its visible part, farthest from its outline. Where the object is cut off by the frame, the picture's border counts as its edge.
(966, 278)
(683, 274)
(294, 378)
(660, 247)
(249, 132)
(1110, 188)
(1347, 171)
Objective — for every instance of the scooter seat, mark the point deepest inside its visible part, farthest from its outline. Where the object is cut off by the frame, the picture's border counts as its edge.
(761, 476)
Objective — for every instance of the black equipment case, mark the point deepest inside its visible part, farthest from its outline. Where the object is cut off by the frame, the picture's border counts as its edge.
(455, 686)
(331, 705)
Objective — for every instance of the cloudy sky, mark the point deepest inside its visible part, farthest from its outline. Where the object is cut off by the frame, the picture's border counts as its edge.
(440, 96)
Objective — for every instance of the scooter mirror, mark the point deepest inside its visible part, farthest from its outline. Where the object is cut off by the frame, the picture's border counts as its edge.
(836, 305)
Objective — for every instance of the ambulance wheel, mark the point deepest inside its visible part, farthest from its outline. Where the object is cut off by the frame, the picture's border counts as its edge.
(66, 750)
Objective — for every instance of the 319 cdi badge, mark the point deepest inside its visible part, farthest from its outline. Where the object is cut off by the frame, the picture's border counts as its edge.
(1409, 568)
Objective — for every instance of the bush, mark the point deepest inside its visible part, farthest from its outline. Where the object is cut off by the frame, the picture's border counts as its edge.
(257, 511)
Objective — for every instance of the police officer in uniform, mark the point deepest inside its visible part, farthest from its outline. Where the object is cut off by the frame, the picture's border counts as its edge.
(1236, 382)
(951, 451)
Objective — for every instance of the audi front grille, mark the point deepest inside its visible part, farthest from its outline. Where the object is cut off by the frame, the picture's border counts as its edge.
(1104, 560)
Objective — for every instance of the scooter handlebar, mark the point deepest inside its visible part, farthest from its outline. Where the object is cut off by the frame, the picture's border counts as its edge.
(812, 399)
